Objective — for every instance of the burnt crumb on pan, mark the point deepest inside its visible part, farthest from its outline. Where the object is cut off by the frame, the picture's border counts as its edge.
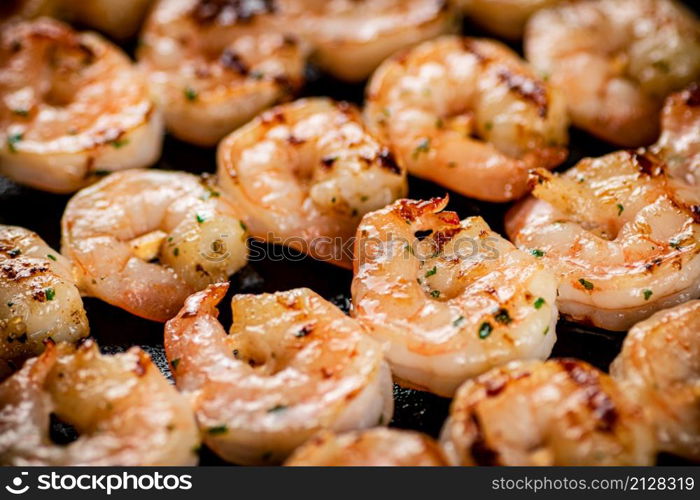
(228, 12)
(598, 400)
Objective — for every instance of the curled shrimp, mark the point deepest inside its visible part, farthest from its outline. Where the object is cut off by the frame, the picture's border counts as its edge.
(621, 230)
(115, 229)
(468, 114)
(304, 173)
(378, 447)
(293, 364)
(38, 298)
(213, 65)
(451, 299)
(617, 60)
(124, 410)
(660, 365)
(71, 107)
(506, 18)
(557, 412)
(118, 18)
(350, 39)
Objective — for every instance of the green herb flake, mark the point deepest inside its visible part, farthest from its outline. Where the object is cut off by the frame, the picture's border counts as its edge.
(200, 218)
(648, 294)
(586, 284)
(485, 330)
(620, 209)
(423, 147)
(439, 123)
(174, 363)
(50, 293)
(190, 94)
(52, 257)
(21, 112)
(546, 330)
(243, 226)
(277, 409)
(12, 141)
(219, 429)
(101, 172)
(14, 252)
(10, 304)
(537, 253)
(458, 321)
(539, 303)
(364, 197)
(176, 251)
(119, 143)
(435, 294)
(488, 126)
(674, 244)
(431, 272)
(502, 316)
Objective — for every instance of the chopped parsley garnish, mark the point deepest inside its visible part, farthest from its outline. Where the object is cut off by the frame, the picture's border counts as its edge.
(176, 251)
(119, 143)
(502, 316)
(435, 294)
(200, 218)
(485, 330)
(586, 284)
(277, 408)
(431, 272)
(546, 330)
(219, 429)
(674, 244)
(537, 252)
(14, 252)
(243, 226)
(539, 303)
(21, 112)
(620, 209)
(12, 141)
(175, 362)
(458, 321)
(648, 294)
(50, 293)
(190, 94)
(423, 147)
(52, 257)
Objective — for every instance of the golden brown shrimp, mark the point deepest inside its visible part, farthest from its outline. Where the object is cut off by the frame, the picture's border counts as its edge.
(113, 230)
(378, 447)
(304, 174)
(450, 299)
(622, 230)
(38, 298)
(124, 409)
(71, 106)
(293, 364)
(660, 366)
(506, 18)
(617, 61)
(558, 412)
(468, 114)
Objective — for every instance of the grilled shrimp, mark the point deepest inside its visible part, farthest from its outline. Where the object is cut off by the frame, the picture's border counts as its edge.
(558, 412)
(293, 364)
(374, 447)
(617, 60)
(38, 298)
(469, 115)
(117, 18)
(216, 64)
(660, 365)
(622, 231)
(351, 38)
(506, 18)
(451, 299)
(113, 230)
(125, 411)
(304, 173)
(213, 65)
(71, 107)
